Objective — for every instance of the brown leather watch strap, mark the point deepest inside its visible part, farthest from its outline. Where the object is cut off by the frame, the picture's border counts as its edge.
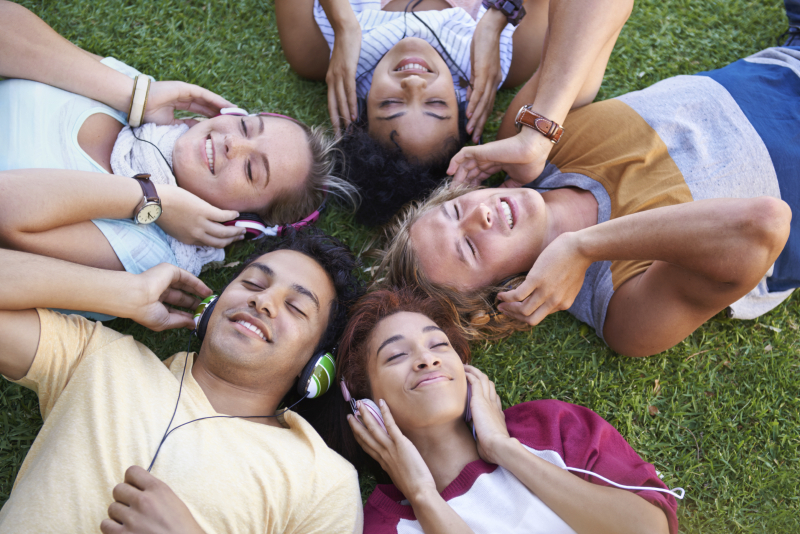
(550, 129)
(148, 188)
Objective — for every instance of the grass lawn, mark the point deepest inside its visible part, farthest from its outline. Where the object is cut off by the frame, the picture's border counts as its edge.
(718, 415)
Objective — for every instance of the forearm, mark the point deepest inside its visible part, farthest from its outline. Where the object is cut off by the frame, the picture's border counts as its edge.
(341, 15)
(435, 516)
(30, 49)
(726, 240)
(578, 31)
(586, 507)
(31, 281)
(37, 200)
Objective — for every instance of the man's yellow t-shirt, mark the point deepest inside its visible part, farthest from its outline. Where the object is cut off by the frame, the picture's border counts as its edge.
(106, 401)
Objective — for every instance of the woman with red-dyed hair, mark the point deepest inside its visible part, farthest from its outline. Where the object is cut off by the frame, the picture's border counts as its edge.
(457, 461)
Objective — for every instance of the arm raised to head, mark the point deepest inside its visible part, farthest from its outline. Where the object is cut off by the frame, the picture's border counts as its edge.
(32, 50)
(31, 281)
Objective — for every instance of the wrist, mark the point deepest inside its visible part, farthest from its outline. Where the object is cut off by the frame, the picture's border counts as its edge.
(502, 451)
(494, 20)
(422, 496)
(345, 24)
(579, 246)
(119, 90)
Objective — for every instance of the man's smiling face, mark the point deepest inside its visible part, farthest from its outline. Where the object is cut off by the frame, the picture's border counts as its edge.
(268, 321)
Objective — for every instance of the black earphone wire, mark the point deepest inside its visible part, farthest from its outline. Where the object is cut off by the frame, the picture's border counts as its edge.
(446, 53)
(159, 151)
(169, 431)
(405, 34)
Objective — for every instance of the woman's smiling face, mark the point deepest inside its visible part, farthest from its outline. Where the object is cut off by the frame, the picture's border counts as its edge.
(413, 367)
(242, 162)
(412, 95)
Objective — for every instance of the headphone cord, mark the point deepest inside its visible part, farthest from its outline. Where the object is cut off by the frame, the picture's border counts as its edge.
(159, 151)
(180, 388)
(446, 53)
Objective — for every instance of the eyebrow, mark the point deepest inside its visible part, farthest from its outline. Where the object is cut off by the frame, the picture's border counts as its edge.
(390, 340)
(400, 114)
(308, 293)
(459, 250)
(398, 337)
(295, 287)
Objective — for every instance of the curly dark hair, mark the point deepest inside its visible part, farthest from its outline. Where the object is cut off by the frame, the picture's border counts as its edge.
(335, 258)
(386, 178)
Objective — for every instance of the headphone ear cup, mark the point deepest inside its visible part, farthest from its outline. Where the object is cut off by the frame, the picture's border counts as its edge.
(202, 314)
(317, 376)
(374, 411)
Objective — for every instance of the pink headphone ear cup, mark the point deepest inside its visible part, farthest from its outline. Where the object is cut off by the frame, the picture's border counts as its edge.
(374, 411)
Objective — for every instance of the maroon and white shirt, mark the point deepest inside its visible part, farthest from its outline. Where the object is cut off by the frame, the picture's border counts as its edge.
(491, 499)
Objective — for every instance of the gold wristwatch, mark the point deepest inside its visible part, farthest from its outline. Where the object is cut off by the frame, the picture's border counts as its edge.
(149, 209)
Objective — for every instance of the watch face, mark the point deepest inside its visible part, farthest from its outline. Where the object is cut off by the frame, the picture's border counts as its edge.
(148, 214)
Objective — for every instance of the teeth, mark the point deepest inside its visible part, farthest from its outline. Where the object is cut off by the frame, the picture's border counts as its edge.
(410, 66)
(210, 154)
(253, 328)
(507, 211)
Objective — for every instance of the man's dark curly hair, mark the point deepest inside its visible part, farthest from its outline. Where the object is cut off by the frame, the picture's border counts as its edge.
(387, 179)
(335, 258)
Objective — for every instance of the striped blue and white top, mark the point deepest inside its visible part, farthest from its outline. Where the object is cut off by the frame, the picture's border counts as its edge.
(381, 30)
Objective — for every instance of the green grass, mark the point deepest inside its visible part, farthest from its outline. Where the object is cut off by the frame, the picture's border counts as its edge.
(727, 426)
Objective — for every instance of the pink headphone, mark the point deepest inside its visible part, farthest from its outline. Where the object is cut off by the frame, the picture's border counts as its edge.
(255, 227)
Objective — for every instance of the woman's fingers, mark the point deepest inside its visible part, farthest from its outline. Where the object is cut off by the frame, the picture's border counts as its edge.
(342, 105)
(352, 98)
(391, 427)
(375, 429)
(363, 437)
(333, 106)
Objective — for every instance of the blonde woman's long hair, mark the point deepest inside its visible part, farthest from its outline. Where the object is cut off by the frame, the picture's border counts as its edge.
(399, 265)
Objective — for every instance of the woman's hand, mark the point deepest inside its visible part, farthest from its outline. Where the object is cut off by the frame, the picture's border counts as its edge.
(193, 221)
(341, 77)
(166, 97)
(551, 285)
(485, 75)
(522, 157)
(487, 415)
(394, 452)
(158, 288)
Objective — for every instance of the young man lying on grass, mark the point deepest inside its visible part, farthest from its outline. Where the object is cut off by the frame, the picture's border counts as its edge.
(107, 400)
(657, 210)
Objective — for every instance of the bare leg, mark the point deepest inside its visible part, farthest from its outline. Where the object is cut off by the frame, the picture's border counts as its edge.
(303, 44)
